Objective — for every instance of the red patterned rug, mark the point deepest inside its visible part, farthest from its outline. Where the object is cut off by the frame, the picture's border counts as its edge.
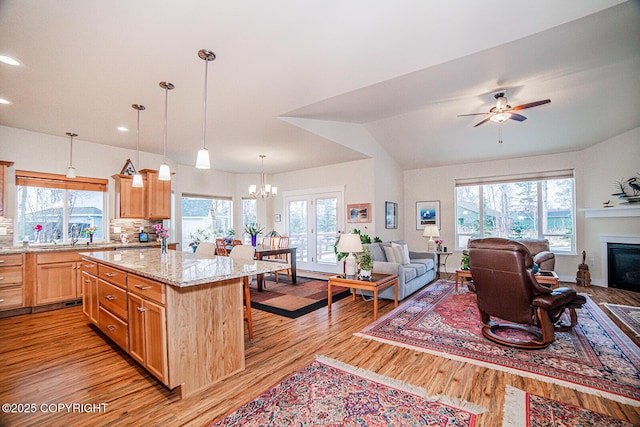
(522, 409)
(628, 315)
(595, 357)
(331, 393)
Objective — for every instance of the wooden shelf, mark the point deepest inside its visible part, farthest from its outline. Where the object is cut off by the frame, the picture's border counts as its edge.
(613, 212)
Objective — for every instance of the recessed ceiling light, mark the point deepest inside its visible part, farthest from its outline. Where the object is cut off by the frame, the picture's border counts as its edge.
(123, 129)
(8, 60)
(4, 101)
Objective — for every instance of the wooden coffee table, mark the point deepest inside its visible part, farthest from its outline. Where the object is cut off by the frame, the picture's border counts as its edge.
(378, 282)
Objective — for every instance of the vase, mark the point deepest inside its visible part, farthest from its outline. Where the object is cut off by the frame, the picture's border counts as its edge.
(365, 274)
(163, 245)
(90, 238)
(254, 239)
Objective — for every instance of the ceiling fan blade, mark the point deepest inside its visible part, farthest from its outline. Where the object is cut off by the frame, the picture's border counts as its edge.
(518, 117)
(471, 114)
(531, 104)
(483, 121)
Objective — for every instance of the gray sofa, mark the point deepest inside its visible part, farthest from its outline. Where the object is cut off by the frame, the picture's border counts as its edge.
(411, 277)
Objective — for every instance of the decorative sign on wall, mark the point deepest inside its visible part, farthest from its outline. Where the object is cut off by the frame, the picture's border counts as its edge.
(128, 168)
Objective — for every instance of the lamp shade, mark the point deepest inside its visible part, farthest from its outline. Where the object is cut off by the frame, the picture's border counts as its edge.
(164, 174)
(202, 160)
(431, 230)
(350, 243)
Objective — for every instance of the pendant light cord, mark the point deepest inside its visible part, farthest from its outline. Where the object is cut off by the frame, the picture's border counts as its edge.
(204, 118)
(166, 109)
(138, 142)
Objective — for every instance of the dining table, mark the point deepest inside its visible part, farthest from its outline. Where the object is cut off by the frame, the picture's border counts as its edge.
(264, 251)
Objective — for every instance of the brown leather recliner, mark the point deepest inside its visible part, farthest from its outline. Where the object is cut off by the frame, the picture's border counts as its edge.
(507, 289)
(540, 252)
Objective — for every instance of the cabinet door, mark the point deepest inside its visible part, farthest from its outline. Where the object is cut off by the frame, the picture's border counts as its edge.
(156, 340)
(132, 199)
(56, 282)
(90, 297)
(158, 197)
(136, 327)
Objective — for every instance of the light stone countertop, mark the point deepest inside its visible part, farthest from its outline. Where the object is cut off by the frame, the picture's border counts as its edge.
(182, 269)
(50, 247)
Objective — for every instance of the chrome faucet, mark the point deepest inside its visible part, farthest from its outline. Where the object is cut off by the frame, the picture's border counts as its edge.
(75, 234)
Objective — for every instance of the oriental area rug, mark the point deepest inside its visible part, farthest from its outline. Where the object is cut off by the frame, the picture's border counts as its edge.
(522, 409)
(628, 315)
(328, 392)
(594, 357)
(287, 299)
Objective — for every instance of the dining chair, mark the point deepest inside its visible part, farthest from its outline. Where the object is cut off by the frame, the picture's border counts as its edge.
(236, 242)
(206, 248)
(245, 253)
(282, 243)
(221, 247)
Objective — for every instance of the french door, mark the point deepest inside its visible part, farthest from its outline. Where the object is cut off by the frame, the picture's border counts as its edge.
(313, 219)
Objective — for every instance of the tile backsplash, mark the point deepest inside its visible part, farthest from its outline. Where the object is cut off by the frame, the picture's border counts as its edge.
(7, 223)
(131, 227)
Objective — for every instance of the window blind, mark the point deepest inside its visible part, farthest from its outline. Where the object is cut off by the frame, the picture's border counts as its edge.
(531, 176)
(50, 180)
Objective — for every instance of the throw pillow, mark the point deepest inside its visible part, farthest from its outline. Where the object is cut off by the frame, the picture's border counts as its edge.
(393, 254)
(404, 252)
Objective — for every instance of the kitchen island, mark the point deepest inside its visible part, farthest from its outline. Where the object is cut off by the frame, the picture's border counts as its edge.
(180, 315)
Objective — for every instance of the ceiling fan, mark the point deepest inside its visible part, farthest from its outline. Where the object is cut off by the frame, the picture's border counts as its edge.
(503, 111)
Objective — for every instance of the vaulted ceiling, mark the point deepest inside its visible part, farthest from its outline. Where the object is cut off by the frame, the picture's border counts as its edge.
(289, 73)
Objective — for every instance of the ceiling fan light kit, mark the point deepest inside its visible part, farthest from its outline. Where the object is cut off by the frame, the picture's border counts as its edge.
(503, 111)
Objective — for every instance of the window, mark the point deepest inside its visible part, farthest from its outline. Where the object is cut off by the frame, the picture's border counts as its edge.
(540, 206)
(249, 216)
(59, 205)
(204, 217)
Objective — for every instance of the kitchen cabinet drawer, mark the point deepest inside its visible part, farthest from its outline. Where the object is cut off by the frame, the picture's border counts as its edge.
(113, 299)
(10, 297)
(10, 276)
(58, 256)
(113, 275)
(147, 288)
(6, 260)
(90, 267)
(115, 328)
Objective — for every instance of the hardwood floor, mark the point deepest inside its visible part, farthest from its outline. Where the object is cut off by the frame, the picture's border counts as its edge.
(57, 358)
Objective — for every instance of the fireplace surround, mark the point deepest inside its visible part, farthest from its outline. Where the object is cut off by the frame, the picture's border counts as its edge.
(621, 261)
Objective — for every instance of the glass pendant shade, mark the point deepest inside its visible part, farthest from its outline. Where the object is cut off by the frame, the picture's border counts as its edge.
(164, 174)
(137, 180)
(202, 161)
(71, 172)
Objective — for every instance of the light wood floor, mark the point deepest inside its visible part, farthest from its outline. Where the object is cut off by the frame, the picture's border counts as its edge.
(55, 357)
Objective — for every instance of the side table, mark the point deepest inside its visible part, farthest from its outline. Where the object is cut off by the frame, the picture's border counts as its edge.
(460, 275)
(438, 263)
(378, 282)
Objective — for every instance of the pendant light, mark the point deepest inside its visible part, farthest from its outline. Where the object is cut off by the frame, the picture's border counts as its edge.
(164, 174)
(71, 171)
(137, 177)
(202, 160)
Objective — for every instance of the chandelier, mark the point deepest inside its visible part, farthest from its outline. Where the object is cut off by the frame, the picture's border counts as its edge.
(265, 191)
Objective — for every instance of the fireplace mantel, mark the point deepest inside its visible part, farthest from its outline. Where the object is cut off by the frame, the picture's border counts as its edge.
(613, 212)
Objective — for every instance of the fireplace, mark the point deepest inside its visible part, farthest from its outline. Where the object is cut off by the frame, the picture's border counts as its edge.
(621, 261)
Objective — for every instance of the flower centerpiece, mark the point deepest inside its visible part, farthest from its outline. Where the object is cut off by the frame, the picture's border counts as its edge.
(163, 235)
(439, 243)
(253, 230)
(198, 236)
(88, 231)
(38, 229)
(365, 263)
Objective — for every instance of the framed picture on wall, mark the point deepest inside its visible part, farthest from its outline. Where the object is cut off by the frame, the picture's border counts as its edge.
(427, 213)
(390, 215)
(277, 218)
(359, 212)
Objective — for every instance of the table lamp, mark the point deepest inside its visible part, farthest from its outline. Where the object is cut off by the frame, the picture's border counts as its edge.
(431, 231)
(350, 243)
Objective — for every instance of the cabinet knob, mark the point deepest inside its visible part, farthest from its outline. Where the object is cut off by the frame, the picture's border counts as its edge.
(110, 297)
(1, 301)
(141, 309)
(110, 274)
(87, 281)
(1, 278)
(2, 261)
(143, 288)
(111, 328)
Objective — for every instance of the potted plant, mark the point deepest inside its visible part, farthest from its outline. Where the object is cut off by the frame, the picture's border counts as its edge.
(253, 230)
(365, 263)
(198, 236)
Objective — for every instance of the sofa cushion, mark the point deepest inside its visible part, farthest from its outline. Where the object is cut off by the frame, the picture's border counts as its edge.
(419, 268)
(427, 262)
(376, 251)
(410, 272)
(405, 252)
(393, 253)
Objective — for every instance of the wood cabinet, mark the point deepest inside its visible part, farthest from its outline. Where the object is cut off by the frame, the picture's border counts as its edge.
(148, 335)
(57, 277)
(130, 199)
(3, 184)
(11, 283)
(113, 317)
(153, 201)
(90, 297)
